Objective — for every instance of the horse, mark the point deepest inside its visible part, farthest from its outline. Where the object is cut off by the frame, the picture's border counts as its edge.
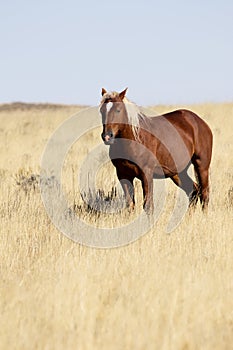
(163, 146)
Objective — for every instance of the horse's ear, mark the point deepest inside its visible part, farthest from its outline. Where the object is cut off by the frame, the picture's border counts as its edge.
(122, 94)
(103, 91)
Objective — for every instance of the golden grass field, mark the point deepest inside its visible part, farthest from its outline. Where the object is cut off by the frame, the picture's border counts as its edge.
(164, 291)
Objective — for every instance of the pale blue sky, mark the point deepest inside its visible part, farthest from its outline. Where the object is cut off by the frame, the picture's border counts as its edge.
(167, 51)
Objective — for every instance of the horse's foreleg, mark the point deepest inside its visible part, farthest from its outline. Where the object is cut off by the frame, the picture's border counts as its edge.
(128, 188)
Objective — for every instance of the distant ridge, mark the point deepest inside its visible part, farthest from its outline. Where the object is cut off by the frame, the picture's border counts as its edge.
(27, 106)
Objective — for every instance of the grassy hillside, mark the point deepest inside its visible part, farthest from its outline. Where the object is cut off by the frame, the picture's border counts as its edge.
(161, 292)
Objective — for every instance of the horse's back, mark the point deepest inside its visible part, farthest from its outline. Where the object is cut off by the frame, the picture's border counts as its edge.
(193, 127)
(190, 123)
(184, 118)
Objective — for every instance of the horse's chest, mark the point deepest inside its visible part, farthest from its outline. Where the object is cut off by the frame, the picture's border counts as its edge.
(126, 166)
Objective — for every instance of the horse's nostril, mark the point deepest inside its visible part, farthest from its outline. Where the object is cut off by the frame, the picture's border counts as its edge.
(108, 136)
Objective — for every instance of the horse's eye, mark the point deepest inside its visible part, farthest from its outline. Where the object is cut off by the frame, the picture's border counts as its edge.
(118, 110)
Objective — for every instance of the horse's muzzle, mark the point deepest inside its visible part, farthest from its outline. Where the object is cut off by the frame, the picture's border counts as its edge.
(108, 138)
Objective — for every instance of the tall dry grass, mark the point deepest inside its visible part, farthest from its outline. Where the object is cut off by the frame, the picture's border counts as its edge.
(161, 292)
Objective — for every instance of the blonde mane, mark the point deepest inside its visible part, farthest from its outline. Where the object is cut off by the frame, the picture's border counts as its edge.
(134, 116)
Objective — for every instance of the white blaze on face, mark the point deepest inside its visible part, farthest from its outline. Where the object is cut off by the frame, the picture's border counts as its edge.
(109, 106)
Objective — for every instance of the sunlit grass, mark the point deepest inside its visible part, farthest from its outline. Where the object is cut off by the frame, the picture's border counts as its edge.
(161, 292)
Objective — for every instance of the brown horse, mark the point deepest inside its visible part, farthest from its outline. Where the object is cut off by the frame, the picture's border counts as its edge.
(151, 147)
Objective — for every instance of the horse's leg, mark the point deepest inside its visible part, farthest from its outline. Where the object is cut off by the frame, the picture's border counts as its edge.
(203, 178)
(147, 187)
(201, 161)
(128, 188)
(193, 197)
(204, 181)
(176, 180)
(190, 187)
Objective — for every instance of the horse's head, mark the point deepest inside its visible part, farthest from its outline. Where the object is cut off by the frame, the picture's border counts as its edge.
(114, 115)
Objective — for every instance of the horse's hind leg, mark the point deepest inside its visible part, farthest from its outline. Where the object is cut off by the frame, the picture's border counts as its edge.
(187, 185)
(201, 161)
(193, 198)
(203, 178)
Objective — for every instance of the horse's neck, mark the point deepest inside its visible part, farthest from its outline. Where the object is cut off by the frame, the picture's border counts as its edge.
(144, 123)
